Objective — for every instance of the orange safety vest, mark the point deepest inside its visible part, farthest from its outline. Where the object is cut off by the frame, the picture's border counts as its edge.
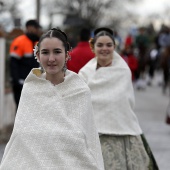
(22, 59)
(22, 46)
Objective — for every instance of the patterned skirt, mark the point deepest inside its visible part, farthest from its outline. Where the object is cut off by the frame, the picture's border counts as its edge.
(127, 153)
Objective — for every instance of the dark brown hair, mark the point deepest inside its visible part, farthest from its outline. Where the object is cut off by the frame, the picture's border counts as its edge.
(56, 33)
(103, 31)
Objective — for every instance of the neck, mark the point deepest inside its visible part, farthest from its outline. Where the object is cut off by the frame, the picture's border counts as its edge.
(56, 79)
(104, 63)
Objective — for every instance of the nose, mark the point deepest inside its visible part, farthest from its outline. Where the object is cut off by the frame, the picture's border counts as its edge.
(105, 47)
(51, 57)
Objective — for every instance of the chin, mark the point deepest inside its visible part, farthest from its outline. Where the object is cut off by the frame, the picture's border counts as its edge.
(104, 58)
(52, 72)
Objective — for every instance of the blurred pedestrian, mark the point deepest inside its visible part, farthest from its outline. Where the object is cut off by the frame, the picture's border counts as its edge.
(165, 65)
(164, 37)
(129, 40)
(21, 57)
(82, 53)
(152, 59)
(118, 41)
(131, 60)
(109, 79)
(142, 45)
(54, 126)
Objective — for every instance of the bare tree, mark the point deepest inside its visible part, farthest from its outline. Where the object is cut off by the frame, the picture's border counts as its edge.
(91, 13)
(9, 12)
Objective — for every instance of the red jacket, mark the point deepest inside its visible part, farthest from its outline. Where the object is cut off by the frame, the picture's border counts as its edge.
(132, 62)
(80, 55)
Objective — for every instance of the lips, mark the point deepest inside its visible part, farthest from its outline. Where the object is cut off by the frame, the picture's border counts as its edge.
(51, 65)
(104, 54)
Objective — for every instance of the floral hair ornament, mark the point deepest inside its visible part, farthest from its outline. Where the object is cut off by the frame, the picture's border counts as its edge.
(36, 49)
(91, 43)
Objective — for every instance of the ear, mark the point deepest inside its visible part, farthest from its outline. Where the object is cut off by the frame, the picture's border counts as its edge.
(38, 57)
(67, 56)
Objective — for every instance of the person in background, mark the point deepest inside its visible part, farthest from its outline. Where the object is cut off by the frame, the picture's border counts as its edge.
(109, 79)
(131, 60)
(54, 126)
(118, 41)
(142, 46)
(129, 40)
(165, 65)
(82, 53)
(152, 60)
(21, 57)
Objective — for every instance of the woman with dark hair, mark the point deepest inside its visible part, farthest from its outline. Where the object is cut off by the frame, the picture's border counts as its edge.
(109, 79)
(54, 126)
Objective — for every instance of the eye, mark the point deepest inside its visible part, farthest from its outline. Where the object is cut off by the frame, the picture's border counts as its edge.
(110, 45)
(44, 52)
(99, 45)
(57, 51)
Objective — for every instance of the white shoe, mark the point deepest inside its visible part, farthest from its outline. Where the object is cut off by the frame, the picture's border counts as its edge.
(141, 84)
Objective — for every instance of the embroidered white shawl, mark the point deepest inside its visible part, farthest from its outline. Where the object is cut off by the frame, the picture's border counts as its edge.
(54, 127)
(112, 97)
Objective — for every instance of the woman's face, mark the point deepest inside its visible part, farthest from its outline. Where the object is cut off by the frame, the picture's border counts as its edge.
(52, 55)
(104, 48)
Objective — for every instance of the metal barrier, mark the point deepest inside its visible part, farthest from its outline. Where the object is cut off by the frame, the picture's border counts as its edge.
(7, 106)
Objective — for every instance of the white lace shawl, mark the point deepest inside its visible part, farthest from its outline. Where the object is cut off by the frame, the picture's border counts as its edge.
(54, 127)
(112, 97)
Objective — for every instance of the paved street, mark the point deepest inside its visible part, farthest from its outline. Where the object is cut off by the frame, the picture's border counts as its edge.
(150, 108)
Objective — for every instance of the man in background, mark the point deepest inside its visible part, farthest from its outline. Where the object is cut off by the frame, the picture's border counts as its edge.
(22, 58)
(82, 53)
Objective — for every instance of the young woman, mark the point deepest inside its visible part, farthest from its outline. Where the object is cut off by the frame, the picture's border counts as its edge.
(109, 79)
(54, 127)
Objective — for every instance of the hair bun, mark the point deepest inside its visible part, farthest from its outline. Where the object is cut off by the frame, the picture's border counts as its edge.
(103, 29)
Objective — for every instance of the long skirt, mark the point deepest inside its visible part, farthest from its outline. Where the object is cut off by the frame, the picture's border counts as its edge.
(127, 153)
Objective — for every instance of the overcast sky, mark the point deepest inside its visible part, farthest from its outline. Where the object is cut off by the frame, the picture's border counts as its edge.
(150, 6)
(144, 7)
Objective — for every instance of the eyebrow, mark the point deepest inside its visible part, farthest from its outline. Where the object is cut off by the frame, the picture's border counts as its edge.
(110, 43)
(58, 49)
(106, 43)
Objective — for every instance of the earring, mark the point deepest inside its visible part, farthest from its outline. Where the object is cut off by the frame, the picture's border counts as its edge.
(65, 67)
(69, 57)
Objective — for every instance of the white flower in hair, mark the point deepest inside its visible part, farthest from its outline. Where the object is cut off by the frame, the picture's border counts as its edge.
(35, 52)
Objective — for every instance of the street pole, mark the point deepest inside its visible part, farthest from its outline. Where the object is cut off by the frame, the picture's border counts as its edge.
(2, 80)
(38, 8)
